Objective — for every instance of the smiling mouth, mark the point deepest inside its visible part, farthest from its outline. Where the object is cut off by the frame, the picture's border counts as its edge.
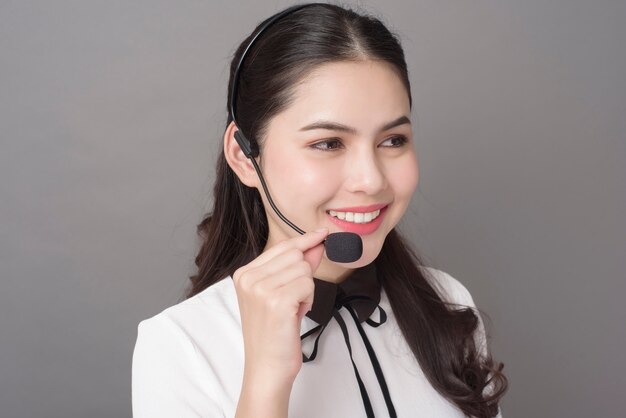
(356, 217)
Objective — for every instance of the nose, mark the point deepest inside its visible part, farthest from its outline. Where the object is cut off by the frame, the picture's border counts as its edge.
(365, 172)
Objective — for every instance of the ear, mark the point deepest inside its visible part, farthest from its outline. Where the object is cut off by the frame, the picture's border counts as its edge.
(237, 160)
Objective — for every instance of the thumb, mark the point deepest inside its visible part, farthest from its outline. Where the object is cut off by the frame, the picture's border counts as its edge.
(313, 255)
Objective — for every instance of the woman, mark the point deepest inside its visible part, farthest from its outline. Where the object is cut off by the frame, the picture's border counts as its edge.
(319, 108)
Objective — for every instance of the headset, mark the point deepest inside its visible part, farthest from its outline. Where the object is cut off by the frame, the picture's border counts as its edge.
(341, 247)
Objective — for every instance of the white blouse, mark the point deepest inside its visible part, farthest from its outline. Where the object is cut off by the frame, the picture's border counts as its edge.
(188, 362)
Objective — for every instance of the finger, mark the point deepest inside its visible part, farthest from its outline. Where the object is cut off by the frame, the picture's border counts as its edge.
(282, 261)
(291, 273)
(302, 242)
(308, 240)
(274, 268)
(314, 255)
(300, 291)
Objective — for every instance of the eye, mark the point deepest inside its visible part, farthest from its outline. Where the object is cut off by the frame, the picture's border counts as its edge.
(328, 141)
(400, 140)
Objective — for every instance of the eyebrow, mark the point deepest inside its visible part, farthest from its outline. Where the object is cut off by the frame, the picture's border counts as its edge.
(334, 126)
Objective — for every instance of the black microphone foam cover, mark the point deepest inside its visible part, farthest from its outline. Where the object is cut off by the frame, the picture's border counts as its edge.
(343, 247)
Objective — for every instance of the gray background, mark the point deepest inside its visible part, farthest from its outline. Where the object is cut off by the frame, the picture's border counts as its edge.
(111, 116)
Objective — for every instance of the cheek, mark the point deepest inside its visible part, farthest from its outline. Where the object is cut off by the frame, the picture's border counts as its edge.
(299, 182)
(404, 176)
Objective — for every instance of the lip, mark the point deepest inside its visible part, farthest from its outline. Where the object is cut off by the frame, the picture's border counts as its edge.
(362, 209)
(361, 229)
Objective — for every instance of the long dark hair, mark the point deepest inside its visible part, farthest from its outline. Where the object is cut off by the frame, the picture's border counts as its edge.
(441, 336)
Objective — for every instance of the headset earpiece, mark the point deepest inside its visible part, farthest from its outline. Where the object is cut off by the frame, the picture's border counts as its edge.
(250, 149)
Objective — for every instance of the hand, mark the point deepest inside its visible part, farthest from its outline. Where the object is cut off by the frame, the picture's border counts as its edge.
(274, 292)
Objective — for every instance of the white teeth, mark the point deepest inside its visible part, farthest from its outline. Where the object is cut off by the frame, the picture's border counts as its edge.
(356, 217)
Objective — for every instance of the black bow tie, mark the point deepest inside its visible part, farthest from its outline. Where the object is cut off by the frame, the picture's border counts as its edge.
(360, 294)
(362, 282)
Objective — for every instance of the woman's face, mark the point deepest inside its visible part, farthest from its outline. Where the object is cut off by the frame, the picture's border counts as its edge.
(367, 159)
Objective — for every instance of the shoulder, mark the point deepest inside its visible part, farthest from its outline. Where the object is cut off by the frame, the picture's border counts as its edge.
(449, 288)
(215, 309)
(170, 373)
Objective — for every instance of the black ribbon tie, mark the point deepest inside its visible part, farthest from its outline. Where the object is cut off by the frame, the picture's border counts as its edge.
(359, 293)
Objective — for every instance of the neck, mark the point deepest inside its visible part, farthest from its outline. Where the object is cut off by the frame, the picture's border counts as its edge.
(331, 272)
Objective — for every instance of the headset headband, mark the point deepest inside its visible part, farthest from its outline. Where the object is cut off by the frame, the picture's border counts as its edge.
(250, 149)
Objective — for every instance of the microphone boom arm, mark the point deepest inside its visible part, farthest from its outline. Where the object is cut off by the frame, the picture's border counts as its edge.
(287, 221)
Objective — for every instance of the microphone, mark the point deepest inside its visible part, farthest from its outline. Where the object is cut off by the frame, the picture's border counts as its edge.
(341, 247)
